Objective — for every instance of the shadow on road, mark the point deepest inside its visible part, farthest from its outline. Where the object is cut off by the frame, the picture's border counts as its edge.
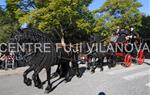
(147, 63)
(147, 56)
(82, 71)
(54, 75)
(57, 83)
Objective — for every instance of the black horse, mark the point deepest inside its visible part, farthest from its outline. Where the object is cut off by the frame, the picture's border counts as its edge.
(96, 58)
(38, 60)
(63, 69)
(99, 60)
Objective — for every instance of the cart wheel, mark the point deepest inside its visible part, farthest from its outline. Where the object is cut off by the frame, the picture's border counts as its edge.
(140, 57)
(128, 60)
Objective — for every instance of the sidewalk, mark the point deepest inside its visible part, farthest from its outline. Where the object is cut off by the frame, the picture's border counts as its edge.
(17, 71)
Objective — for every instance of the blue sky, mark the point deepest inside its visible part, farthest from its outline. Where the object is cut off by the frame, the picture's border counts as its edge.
(144, 9)
(97, 3)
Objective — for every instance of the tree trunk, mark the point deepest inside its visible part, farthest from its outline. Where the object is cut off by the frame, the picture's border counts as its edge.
(62, 37)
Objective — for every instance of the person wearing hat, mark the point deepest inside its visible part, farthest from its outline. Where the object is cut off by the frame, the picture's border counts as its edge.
(132, 35)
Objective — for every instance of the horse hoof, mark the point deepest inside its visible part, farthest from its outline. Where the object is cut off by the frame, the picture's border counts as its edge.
(102, 70)
(48, 89)
(28, 82)
(109, 67)
(93, 71)
(36, 84)
(88, 68)
(79, 75)
(40, 86)
(113, 65)
(67, 79)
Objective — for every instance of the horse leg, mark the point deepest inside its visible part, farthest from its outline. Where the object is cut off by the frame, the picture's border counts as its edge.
(101, 63)
(57, 72)
(68, 70)
(94, 66)
(109, 62)
(78, 71)
(58, 69)
(101, 66)
(62, 69)
(39, 82)
(88, 65)
(93, 69)
(49, 85)
(76, 67)
(36, 79)
(27, 81)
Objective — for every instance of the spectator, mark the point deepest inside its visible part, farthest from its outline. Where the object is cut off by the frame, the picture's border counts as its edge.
(2, 60)
(2, 57)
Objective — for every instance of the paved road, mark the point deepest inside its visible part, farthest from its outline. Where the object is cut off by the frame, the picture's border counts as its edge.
(117, 81)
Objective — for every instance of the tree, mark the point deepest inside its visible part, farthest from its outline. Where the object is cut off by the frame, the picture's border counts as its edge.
(145, 28)
(113, 13)
(66, 17)
(7, 25)
(69, 18)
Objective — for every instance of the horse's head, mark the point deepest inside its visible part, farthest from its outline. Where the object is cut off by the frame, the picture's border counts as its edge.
(18, 37)
(21, 37)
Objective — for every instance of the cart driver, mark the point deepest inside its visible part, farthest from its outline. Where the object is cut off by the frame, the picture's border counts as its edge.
(122, 35)
(132, 35)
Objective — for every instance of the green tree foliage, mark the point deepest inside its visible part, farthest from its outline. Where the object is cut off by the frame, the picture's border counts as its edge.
(113, 13)
(9, 19)
(66, 17)
(7, 25)
(145, 28)
(69, 19)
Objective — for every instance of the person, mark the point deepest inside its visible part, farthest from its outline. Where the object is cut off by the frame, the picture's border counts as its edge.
(114, 36)
(122, 35)
(2, 60)
(10, 60)
(132, 32)
(132, 38)
(3, 57)
(132, 35)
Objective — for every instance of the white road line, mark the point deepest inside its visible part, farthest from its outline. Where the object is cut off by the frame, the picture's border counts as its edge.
(137, 75)
(148, 84)
(124, 69)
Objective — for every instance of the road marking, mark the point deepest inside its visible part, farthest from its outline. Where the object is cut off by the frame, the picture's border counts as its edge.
(137, 75)
(124, 70)
(148, 84)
